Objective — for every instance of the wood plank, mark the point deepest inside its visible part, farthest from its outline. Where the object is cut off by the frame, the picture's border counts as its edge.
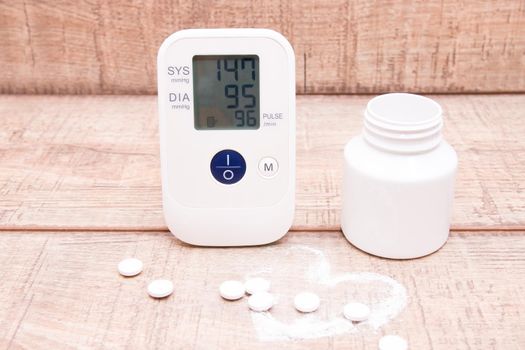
(342, 46)
(62, 291)
(92, 162)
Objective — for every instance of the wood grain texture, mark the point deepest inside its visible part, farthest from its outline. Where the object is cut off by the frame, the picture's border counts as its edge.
(62, 291)
(92, 162)
(342, 46)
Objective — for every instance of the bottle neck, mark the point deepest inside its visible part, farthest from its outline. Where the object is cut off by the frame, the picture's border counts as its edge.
(403, 123)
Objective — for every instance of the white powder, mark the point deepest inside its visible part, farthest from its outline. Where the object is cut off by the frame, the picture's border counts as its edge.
(306, 327)
(385, 296)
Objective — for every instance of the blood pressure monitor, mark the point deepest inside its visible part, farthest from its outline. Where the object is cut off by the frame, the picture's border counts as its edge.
(227, 135)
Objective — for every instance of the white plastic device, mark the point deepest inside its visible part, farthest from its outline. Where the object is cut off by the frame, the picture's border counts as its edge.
(227, 135)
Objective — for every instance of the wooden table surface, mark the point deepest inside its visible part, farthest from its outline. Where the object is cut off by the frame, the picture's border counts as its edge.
(80, 190)
(341, 46)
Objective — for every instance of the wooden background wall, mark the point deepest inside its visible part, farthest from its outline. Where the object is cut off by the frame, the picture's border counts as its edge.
(342, 46)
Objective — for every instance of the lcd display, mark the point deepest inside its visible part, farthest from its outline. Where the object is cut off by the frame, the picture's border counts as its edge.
(226, 92)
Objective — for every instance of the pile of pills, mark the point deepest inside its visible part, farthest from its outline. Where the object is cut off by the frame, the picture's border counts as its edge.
(261, 300)
(131, 267)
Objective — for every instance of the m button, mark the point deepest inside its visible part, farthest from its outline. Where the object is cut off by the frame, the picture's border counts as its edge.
(268, 167)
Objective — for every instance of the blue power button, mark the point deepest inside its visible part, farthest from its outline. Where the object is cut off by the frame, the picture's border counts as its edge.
(228, 166)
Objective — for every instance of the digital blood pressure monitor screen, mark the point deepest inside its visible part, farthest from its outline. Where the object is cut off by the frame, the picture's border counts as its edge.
(226, 92)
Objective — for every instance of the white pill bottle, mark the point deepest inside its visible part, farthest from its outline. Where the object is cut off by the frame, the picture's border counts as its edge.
(398, 184)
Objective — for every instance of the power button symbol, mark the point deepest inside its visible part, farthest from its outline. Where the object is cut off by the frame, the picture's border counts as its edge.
(228, 166)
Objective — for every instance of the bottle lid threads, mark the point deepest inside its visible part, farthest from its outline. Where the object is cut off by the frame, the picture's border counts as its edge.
(403, 123)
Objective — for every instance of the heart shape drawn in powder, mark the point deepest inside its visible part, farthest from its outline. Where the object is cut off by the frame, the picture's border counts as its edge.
(308, 326)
